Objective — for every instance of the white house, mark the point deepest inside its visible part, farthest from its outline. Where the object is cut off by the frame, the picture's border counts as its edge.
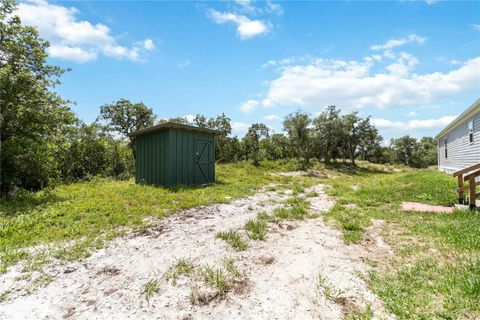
(459, 142)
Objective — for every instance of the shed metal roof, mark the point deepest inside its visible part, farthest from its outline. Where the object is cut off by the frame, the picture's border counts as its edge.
(172, 125)
(474, 108)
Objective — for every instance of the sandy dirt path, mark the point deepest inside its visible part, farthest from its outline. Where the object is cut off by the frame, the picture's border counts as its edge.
(281, 275)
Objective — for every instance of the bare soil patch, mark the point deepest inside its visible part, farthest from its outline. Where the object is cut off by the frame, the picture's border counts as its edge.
(421, 207)
(278, 277)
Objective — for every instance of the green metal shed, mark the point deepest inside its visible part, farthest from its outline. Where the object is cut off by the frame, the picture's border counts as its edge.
(170, 154)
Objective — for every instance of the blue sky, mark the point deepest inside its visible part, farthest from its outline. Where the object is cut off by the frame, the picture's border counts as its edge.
(412, 66)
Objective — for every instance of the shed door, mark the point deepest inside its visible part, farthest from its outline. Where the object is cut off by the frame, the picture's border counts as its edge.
(203, 161)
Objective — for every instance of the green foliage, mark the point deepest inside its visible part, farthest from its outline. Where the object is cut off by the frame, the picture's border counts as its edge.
(427, 290)
(296, 126)
(352, 222)
(216, 278)
(182, 266)
(251, 142)
(379, 195)
(222, 278)
(256, 229)
(296, 209)
(277, 146)
(324, 289)
(426, 152)
(87, 209)
(344, 136)
(265, 217)
(435, 271)
(94, 152)
(78, 250)
(150, 288)
(33, 118)
(126, 117)
(233, 239)
(227, 149)
(366, 314)
(328, 133)
(179, 120)
(417, 154)
(231, 268)
(42, 142)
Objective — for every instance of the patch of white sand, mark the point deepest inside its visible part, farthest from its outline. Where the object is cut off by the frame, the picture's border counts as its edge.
(281, 288)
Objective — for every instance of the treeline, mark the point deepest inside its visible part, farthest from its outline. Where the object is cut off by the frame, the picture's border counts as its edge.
(43, 142)
(330, 137)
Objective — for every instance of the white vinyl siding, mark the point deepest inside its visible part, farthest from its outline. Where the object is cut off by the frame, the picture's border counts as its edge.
(460, 151)
(470, 131)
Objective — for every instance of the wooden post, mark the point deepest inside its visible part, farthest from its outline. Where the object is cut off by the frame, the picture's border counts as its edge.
(461, 197)
(472, 185)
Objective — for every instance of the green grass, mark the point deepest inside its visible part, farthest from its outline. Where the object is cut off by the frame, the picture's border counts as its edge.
(256, 229)
(223, 277)
(366, 314)
(296, 208)
(78, 250)
(265, 217)
(234, 239)
(216, 278)
(427, 290)
(182, 266)
(4, 296)
(379, 195)
(435, 273)
(150, 288)
(324, 289)
(231, 268)
(103, 208)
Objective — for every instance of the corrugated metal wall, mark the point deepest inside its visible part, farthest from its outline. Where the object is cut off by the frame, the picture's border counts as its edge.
(152, 161)
(167, 157)
(460, 152)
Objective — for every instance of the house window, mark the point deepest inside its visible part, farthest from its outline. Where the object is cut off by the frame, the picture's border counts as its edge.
(470, 131)
(445, 145)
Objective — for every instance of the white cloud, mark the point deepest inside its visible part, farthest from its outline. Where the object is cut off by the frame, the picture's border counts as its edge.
(189, 117)
(431, 1)
(239, 128)
(272, 7)
(412, 113)
(351, 84)
(74, 39)
(392, 43)
(246, 28)
(413, 124)
(148, 44)
(71, 53)
(403, 65)
(249, 106)
(272, 117)
(246, 6)
(476, 27)
(449, 61)
(281, 62)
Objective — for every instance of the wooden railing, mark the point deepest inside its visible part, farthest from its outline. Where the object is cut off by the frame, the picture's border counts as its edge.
(469, 175)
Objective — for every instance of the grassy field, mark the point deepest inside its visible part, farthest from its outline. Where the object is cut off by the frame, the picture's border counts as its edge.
(434, 273)
(92, 211)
